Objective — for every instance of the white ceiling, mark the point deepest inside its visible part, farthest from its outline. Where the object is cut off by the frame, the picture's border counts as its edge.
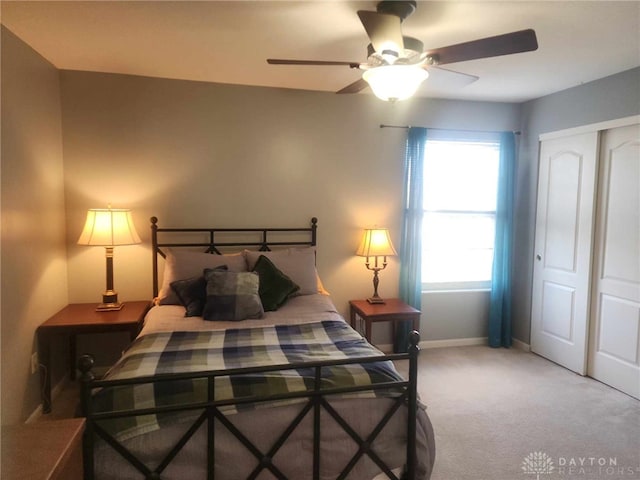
(228, 42)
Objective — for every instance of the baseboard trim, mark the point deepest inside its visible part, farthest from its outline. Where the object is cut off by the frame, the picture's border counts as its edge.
(450, 342)
(55, 391)
(454, 342)
(520, 345)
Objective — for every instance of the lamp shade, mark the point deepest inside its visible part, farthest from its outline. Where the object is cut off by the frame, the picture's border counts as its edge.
(395, 82)
(108, 227)
(376, 242)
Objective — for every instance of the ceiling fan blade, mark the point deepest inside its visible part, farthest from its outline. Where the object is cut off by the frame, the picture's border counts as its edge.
(384, 30)
(451, 78)
(279, 61)
(354, 87)
(514, 42)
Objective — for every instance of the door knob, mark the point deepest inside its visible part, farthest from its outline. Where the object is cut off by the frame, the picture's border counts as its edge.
(538, 257)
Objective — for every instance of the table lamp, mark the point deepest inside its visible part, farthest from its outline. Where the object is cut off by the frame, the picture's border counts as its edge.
(109, 227)
(376, 243)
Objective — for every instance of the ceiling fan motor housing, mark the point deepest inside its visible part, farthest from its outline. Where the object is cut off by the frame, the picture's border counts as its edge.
(412, 49)
(398, 8)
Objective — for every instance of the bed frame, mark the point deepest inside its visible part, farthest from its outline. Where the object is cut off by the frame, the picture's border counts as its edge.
(216, 240)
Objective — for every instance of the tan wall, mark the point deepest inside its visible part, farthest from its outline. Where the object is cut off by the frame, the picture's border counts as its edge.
(34, 271)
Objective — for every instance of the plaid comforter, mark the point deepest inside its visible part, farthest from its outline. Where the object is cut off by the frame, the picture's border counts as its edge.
(178, 352)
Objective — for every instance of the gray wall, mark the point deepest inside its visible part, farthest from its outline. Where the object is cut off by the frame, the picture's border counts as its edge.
(610, 98)
(205, 154)
(34, 268)
(190, 153)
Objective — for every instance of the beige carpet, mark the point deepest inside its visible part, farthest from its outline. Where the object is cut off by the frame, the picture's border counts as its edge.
(493, 408)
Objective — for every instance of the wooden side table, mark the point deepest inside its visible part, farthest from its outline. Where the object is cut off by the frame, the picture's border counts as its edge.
(393, 310)
(79, 318)
(50, 450)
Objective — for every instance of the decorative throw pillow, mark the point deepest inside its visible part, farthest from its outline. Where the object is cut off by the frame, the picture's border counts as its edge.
(232, 296)
(192, 293)
(299, 264)
(275, 286)
(183, 264)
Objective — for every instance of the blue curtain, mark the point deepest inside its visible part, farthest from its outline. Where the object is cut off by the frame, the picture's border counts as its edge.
(500, 304)
(411, 241)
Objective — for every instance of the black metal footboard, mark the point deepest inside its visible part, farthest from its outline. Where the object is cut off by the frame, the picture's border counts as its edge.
(209, 411)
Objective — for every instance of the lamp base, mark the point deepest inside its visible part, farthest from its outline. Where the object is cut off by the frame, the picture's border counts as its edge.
(109, 307)
(375, 300)
(109, 301)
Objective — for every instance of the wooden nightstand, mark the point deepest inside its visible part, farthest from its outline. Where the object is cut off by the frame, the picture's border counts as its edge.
(393, 310)
(79, 318)
(50, 450)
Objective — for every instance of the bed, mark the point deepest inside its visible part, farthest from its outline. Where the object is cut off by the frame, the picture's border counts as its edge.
(244, 369)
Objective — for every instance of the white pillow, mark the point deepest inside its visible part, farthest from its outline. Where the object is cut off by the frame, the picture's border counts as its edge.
(299, 264)
(181, 264)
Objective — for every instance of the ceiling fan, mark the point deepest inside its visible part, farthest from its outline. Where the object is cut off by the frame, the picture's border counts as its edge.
(397, 65)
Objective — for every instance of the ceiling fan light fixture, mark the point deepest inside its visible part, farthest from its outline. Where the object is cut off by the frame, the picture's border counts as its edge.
(389, 56)
(395, 82)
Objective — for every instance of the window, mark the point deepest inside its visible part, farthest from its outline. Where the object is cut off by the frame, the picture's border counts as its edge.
(460, 193)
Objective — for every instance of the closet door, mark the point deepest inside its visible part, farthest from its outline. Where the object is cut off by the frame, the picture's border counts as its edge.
(615, 326)
(563, 243)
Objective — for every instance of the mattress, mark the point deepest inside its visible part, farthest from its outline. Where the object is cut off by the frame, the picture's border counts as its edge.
(265, 425)
(298, 310)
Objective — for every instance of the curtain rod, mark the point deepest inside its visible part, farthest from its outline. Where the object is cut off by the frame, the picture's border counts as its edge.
(382, 125)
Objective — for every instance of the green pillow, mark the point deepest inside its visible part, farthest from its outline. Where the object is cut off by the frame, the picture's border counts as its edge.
(275, 287)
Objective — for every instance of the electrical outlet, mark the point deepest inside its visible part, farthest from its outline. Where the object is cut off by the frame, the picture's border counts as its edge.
(34, 362)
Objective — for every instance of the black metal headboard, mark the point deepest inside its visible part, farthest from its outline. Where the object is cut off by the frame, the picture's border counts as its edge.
(218, 240)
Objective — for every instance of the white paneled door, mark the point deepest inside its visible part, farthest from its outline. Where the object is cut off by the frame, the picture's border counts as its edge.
(614, 348)
(563, 247)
